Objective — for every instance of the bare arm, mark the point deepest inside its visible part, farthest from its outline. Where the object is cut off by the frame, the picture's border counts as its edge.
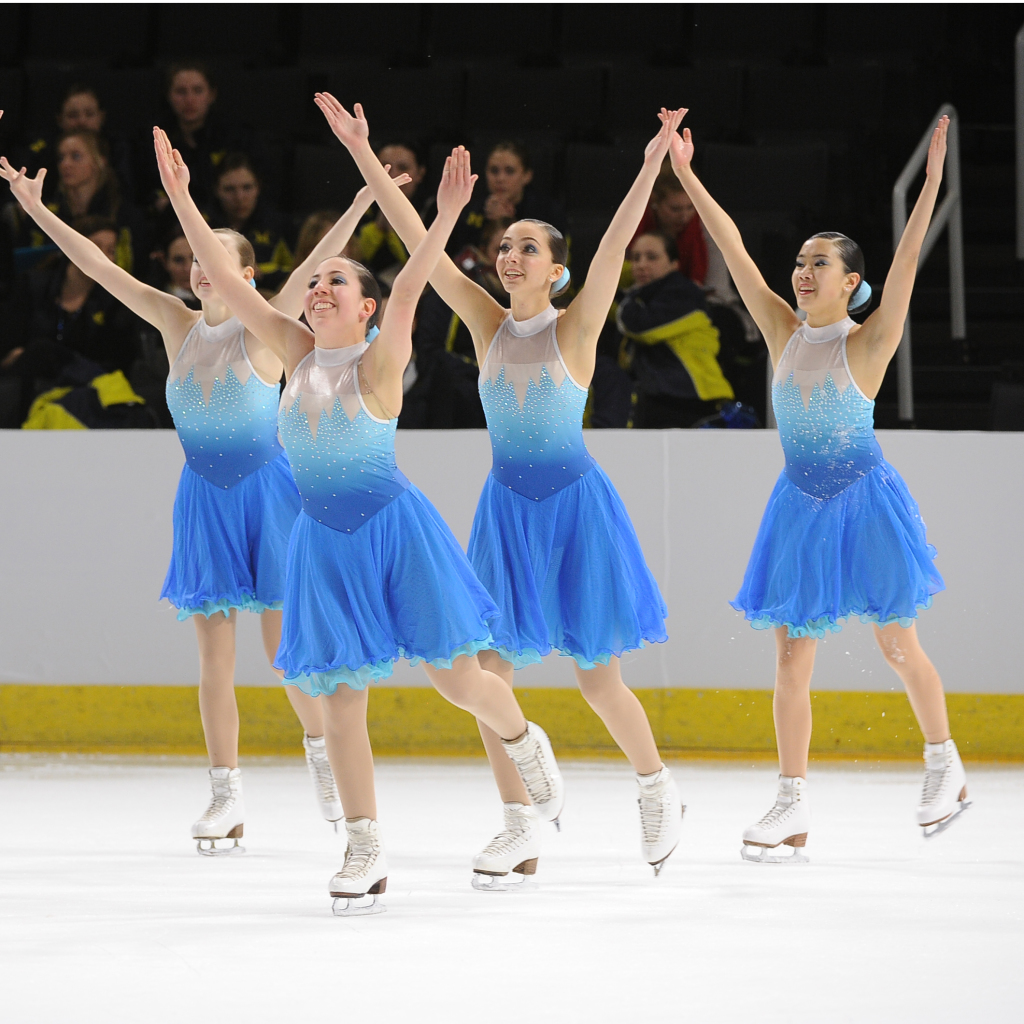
(580, 328)
(289, 298)
(167, 313)
(772, 314)
(872, 347)
(288, 339)
(478, 310)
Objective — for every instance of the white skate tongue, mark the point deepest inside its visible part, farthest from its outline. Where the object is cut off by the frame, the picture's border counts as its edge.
(652, 780)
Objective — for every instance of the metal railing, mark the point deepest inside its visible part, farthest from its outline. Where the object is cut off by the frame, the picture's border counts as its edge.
(949, 214)
(1019, 131)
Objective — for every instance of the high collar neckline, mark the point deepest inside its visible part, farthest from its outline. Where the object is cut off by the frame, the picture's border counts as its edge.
(524, 328)
(829, 332)
(338, 356)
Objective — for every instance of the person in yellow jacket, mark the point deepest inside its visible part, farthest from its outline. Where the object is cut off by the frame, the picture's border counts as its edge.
(669, 342)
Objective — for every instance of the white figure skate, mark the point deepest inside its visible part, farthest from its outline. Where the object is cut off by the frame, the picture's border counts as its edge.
(515, 849)
(222, 820)
(944, 796)
(365, 872)
(661, 817)
(535, 762)
(323, 780)
(786, 824)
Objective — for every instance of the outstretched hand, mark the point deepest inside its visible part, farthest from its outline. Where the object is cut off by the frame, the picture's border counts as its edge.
(937, 149)
(681, 150)
(174, 174)
(28, 191)
(350, 130)
(364, 197)
(457, 183)
(658, 147)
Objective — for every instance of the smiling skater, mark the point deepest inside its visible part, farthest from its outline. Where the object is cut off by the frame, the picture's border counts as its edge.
(841, 535)
(236, 500)
(374, 574)
(551, 540)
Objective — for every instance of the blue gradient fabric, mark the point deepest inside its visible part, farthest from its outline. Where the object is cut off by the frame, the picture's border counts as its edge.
(374, 573)
(841, 534)
(236, 500)
(551, 539)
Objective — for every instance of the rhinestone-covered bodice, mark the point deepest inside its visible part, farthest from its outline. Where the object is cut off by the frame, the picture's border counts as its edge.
(225, 415)
(826, 423)
(342, 457)
(534, 409)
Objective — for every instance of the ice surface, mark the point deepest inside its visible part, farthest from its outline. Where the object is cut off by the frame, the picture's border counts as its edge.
(107, 913)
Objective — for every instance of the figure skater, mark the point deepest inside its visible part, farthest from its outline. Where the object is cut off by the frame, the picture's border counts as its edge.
(841, 535)
(374, 574)
(236, 500)
(551, 540)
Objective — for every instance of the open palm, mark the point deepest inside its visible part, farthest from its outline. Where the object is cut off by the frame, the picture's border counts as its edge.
(457, 182)
(657, 148)
(28, 191)
(681, 150)
(351, 129)
(174, 174)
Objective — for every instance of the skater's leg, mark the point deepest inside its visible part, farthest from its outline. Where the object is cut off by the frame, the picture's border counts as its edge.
(510, 785)
(903, 651)
(348, 748)
(622, 713)
(792, 702)
(307, 709)
(217, 706)
(481, 693)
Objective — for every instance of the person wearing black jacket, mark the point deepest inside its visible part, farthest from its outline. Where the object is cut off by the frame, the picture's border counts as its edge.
(669, 342)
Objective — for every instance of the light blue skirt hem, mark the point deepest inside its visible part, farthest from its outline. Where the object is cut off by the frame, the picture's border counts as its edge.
(243, 602)
(531, 656)
(821, 627)
(316, 683)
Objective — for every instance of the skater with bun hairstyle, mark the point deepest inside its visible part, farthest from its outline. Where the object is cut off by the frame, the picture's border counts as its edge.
(841, 535)
(551, 540)
(374, 574)
(236, 500)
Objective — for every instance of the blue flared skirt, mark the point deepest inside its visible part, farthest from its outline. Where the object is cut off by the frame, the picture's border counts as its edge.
(398, 587)
(817, 561)
(567, 573)
(230, 545)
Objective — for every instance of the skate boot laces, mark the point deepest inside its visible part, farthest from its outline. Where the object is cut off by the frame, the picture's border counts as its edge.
(518, 824)
(533, 771)
(320, 769)
(359, 857)
(221, 801)
(654, 814)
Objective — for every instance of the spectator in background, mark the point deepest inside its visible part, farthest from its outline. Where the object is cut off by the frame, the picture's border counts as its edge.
(669, 342)
(88, 186)
(380, 249)
(314, 227)
(236, 204)
(63, 320)
(82, 110)
(671, 213)
(173, 268)
(509, 196)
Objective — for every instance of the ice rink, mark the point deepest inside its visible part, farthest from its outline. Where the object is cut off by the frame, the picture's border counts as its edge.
(107, 913)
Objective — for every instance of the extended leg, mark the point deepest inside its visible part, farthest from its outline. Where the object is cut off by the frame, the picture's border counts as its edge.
(348, 747)
(307, 709)
(510, 785)
(217, 706)
(792, 702)
(622, 713)
(903, 652)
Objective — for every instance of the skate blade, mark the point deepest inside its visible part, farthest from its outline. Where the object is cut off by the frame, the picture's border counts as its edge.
(501, 883)
(346, 906)
(938, 827)
(765, 856)
(213, 850)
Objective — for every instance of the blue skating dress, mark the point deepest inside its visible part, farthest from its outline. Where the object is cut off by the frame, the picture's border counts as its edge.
(841, 535)
(374, 574)
(236, 499)
(551, 540)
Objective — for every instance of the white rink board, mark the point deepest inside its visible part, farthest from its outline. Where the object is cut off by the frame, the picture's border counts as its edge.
(85, 535)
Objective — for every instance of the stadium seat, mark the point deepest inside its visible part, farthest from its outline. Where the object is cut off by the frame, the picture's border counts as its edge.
(570, 99)
(323, 177)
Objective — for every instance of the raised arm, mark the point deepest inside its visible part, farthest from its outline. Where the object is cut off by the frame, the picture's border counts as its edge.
(478, 310)
(772, 314)
(391, 352)
(289, 298)
(167, 313)
(288, 339)
(579, 329)
(874, 345)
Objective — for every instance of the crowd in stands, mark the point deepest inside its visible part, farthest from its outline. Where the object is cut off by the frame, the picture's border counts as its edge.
(679, 350)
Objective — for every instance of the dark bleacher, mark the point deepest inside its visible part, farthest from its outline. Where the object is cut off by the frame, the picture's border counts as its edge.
(803, 117)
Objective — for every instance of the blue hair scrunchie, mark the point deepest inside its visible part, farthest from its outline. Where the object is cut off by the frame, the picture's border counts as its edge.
(561, 282)
(372, 333)
(861, 296)
(252, 281)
